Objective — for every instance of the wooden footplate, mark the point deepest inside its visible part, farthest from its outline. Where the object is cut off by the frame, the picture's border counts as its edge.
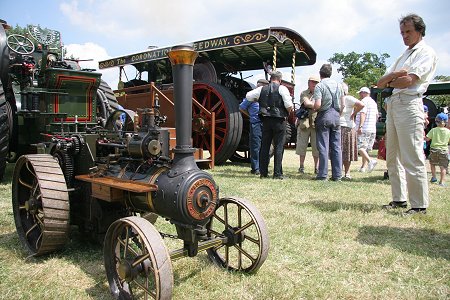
(111, 189)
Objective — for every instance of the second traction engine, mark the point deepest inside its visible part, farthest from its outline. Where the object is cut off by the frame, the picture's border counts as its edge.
(183, 193)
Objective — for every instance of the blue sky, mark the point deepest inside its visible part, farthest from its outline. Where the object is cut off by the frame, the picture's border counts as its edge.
(93, 29)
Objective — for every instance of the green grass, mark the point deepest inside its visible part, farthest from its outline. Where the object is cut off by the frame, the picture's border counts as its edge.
(328, 240)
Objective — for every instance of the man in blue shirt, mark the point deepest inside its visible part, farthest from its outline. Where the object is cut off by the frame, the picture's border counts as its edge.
(252, 109)
(275, 104)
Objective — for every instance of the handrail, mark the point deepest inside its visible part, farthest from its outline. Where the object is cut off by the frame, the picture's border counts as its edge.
(155, 91)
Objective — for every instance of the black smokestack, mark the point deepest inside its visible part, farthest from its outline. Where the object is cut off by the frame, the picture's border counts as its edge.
(182, 59)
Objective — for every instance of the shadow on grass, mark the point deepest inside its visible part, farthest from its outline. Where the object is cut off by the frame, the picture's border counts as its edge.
(228, 171)
(335, 206)
(86, 255)
(371, 179)
(8, 173)
(423, 242)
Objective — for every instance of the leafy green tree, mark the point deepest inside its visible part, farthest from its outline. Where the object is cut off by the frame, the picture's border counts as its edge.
(360, 70)
(441, 100)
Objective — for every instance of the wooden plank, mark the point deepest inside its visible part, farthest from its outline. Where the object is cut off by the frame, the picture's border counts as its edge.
(121, 184)
(106, 193)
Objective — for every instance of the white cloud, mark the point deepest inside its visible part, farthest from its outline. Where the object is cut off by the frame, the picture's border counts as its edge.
(329, 26)
(137, 19)
(440, 44)
(89, 55)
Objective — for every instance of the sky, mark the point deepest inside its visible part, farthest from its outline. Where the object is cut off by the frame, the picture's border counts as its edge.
(102, 29)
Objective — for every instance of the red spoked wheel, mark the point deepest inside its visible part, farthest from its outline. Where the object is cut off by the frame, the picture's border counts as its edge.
(218, 99)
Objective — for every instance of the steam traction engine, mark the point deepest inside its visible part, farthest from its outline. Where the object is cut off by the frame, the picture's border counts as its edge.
(41, 92)
(119, 181)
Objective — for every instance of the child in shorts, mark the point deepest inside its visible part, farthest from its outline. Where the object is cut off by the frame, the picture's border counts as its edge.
(440, 138)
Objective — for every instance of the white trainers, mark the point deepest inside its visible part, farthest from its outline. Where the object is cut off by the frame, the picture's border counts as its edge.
(372, 165)
(362, 170)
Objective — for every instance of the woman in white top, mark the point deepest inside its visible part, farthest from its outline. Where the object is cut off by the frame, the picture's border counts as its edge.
(350, 107)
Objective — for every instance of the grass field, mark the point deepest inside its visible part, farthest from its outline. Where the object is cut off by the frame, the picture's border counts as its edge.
(328, 240)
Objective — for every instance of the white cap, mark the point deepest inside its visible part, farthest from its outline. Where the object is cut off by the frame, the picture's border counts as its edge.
(364, 90)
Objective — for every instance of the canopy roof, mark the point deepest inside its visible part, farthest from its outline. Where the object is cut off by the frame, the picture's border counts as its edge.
(237, 52)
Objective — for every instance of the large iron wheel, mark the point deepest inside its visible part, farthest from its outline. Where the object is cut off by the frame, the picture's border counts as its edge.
(242, 153)
(137, 262)
(106, 102)
(40, 203)
(121, 120)
(247, 244)
(4, 55)
(218, 99)
(293, 134)
(204, 70)
(4, 132)
(241, 156)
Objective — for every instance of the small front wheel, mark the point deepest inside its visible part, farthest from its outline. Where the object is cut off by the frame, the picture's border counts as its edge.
(137, 262)
(245, 232)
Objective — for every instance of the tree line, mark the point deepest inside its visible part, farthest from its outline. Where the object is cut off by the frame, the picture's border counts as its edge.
(364, 69)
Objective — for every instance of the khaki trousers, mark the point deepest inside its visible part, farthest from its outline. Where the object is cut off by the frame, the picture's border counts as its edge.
(404, 150)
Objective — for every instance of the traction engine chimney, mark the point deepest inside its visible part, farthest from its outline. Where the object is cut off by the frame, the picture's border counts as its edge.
(182, 59)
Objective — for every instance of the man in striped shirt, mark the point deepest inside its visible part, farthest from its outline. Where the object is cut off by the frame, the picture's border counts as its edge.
(366, 122)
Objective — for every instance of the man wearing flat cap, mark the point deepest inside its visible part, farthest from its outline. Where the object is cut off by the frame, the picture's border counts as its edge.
(306, 131)
(275, 104)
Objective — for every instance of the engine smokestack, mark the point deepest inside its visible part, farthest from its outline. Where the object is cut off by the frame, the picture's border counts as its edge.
(182, 59)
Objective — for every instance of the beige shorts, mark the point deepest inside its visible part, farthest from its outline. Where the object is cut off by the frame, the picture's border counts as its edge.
(304, 137)
(438, 157)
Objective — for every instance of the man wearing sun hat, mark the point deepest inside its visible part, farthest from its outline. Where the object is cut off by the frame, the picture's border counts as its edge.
(306, 130)
(366, 127)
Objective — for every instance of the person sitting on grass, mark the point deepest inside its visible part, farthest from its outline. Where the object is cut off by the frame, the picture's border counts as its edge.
(440, 138)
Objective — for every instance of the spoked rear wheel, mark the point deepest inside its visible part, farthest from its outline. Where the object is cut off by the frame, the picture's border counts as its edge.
(40, 203)
(137, 262)
(228, 120)
(247, 244)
